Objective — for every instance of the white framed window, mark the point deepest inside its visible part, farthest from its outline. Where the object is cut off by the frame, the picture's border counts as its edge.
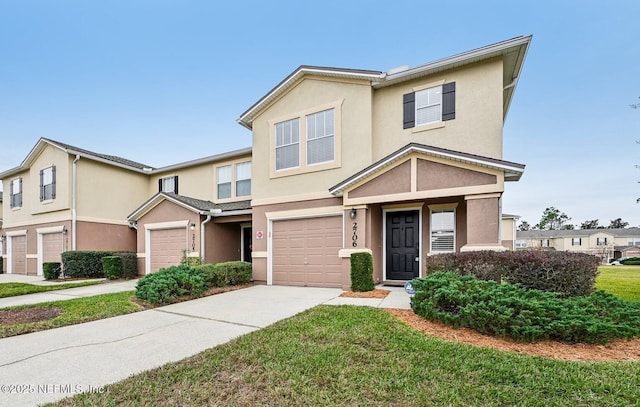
(287, 142)
(521, 243)
(223, 175)
(321, 137)
(545, 243)
(576, 241)
(15, 193)
(443, 230)
(601, 241)
(48, 183)
(243, 179)
(633, 242)
(428, 105)
(169, 184)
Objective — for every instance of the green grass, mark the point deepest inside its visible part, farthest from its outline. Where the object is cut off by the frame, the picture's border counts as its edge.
(75, 311)
(13, 289)
(621, 281)
(361, 356)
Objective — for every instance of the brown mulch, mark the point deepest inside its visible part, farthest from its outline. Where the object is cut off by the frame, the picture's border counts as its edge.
(27, 315)
(620, 350)
(366, 294)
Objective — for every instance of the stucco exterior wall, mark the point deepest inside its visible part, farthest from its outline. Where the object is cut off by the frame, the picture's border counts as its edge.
(477, 128)
(483, 221)
(105, 236)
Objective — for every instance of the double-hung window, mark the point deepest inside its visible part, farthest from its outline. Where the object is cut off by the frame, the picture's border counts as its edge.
(576, 241)
(224, 182)
(168, 184)
(243, 179)
(15, 193)
(429, 105)
(443, 230)
(48, 183)
(601, 241)
(287, 135)
(321, 137)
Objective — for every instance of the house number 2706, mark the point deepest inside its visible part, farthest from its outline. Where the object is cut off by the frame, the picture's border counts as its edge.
(354, 238)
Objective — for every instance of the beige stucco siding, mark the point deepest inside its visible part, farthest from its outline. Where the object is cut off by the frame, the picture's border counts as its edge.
(476, 129)
(354, 127)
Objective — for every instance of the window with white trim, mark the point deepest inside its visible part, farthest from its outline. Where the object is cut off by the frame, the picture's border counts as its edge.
(633, 242)
(521, 244)
(545, 243)
(15, 193)
(243, 179)
(287, 142)
(224, 181)
(321, 137)
(576, 241)
(443, 230)
(48, 183)
(429, 105)
(601, 241)
(168, 184)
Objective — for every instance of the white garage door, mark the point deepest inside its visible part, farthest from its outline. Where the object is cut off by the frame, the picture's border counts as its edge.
(167, 246)
(52, 247)
(19, 254)
(305, 252)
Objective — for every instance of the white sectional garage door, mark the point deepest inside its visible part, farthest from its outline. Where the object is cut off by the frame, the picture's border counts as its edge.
(305, 252)
(19, 254)
(167, 246)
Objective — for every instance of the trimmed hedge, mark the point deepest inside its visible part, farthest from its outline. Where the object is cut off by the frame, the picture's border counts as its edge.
(362, 272)
(226, 273)
(51, 270)
(168, 284)
(631, 261)
(129, 264)
(112, 267)
(569, 274)
(89, 263)
(523, 314)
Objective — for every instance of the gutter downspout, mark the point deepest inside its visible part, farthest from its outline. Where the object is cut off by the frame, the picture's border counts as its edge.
(202, 245)
(74, 203)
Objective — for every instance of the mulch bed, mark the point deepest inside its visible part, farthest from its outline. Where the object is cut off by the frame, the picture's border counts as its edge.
(377, 293)
(27, 315)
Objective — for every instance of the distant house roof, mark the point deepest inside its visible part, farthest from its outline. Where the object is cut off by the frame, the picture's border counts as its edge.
(513, 51)
(201, 206)
(550, 234)
(513, 171)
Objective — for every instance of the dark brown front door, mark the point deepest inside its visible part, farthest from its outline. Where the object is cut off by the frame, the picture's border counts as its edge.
(402, 245)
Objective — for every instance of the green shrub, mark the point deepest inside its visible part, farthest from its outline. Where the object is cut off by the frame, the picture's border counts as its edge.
(112, 267)
(170, 283)
(129, 264)
(570, 274)
(226, 273)
(51, 270)
(361, 272)
(89, 263)
(524, 314)
(631, 261)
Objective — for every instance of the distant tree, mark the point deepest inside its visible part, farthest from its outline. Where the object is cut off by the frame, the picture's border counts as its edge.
(568, 226)
(635, 105)
(552, 219)
(590, 224)
(617, 224)
(524, 226)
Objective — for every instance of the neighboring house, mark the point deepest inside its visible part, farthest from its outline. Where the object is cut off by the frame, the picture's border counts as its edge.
(63, 198)
(607, 244)
(402, 164)
(508, 235)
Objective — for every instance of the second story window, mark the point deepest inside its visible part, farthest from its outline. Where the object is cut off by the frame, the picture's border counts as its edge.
(168, 184)
(601, 241)
(545, 243)
(48, 183)
(429, 105)
(243, 179)
(576, 241)
(287, 135)
(15, 193)
(224, 181)
(320, 137)
(443, 231)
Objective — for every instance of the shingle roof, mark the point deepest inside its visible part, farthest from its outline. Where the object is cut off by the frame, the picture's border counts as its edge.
(112, 158)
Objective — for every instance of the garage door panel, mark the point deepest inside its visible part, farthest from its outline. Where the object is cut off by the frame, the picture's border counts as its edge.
(52, 247)
(167, 246)
(19, 254)
(305, 252)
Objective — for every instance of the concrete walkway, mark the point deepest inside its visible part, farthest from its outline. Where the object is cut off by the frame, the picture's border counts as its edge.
(50, 365)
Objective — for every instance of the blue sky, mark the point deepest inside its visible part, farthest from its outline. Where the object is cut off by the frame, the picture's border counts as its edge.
(119, 77)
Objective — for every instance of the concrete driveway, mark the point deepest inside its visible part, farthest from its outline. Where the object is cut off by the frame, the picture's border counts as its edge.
(50, 365)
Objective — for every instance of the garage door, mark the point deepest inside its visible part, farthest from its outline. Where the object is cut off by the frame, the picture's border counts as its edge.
(52, 247)
(305, 252)
(19, 254)
(167, 246)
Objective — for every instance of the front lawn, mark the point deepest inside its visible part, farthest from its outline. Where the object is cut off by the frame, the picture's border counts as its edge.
(349, 356)
(621, 281)
(71, 312)
(13, 289)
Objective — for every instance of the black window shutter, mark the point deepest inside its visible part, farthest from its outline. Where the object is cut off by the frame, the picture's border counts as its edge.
(11, 199)
(53, 182)
(449, 101)
(20, 194)
(41, 185)
(175, 185)
(160, 185)
(409, 110)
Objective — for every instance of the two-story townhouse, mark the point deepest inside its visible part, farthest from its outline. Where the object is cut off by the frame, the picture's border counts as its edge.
(607, 244)
(200, 208)
(402, 164)
(64, 198)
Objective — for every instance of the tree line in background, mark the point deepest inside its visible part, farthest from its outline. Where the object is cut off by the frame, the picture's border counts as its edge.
(554, 219)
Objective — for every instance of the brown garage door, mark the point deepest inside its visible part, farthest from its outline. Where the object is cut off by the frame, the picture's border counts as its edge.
(305, 252)
(19, 254)
(167, 246)
(52, 247)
